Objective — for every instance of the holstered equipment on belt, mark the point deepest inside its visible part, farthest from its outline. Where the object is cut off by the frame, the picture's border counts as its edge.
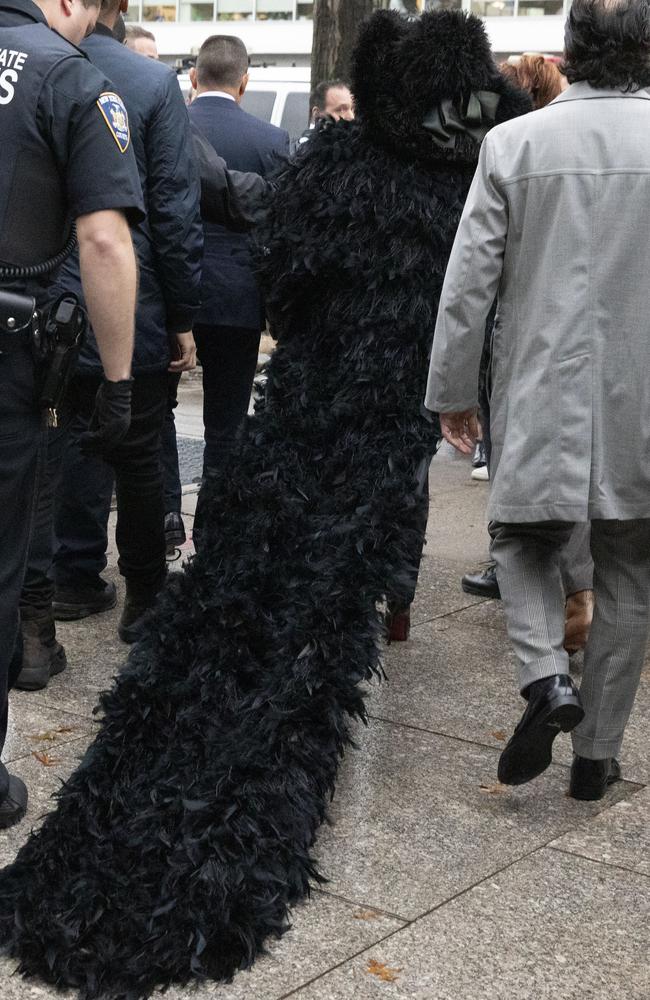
(55, 339)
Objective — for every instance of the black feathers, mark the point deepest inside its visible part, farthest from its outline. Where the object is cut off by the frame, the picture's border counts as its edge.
(178, 846)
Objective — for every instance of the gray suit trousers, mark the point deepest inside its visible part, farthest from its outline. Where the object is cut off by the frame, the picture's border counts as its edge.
(530, 579)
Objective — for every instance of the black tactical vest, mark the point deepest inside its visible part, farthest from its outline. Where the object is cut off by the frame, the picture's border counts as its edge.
(34, 223)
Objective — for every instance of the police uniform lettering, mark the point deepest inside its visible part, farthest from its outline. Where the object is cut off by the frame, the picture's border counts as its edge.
(11, 63)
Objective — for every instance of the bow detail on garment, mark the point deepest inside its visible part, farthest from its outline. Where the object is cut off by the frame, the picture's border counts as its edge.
(475, 117)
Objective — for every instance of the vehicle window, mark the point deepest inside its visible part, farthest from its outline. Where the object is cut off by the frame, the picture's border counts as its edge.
(259, 103)
(295, 116)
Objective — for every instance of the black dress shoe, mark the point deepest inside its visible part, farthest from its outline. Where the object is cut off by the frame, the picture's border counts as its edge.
(553, 706)
(14, 805)
(482, 584)
(590, 779)
(72, 603)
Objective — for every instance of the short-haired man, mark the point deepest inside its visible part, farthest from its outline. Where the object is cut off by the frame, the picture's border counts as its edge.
(556, 225)
(231, 318)
(141, 41)
(331, 99)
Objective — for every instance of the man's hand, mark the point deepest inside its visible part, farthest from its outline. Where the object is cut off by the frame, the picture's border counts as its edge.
(183, 352)
(461, 430)
(111, 418)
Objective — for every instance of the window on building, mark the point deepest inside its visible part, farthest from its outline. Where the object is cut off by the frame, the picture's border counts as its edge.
(278, 10)
(304, 10)
(295, 114)
(234, 10)
(493, 8)
(197, 11)
(158, 12)
(259, 103)
(536, 8)
(134, 13)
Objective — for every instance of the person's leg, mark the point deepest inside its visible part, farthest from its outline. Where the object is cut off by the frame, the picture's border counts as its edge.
(576, 563)
(615, 652)
(140, 532)
(42, 655)
(577, 568)
(169, 450)
(21, 445)
(228, 357)
(82, 508)
(527, 558)
(398, 617)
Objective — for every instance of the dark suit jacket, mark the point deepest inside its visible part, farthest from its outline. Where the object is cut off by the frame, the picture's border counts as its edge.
(168, 242)
(229, 291)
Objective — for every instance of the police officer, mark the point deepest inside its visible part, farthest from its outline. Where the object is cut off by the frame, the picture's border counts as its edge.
(168, 246)
(64, 139)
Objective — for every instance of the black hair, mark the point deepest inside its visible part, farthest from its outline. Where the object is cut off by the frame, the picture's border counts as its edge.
(318, 96)
(607, 43)
(222, 61)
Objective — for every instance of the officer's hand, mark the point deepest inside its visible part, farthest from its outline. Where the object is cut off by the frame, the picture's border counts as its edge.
(111, 419)
(183, 353)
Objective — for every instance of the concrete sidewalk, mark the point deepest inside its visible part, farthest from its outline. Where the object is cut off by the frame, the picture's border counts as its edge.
(443, 885)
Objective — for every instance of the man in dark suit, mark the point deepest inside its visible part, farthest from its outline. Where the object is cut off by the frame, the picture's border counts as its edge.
(231, 318)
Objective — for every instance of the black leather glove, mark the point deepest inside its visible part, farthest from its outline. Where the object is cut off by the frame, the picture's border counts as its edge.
(111, 419)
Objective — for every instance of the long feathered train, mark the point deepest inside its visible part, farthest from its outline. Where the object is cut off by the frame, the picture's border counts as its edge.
(180, 843)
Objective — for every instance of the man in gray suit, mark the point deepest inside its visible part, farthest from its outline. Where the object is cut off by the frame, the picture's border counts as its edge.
(556, 228)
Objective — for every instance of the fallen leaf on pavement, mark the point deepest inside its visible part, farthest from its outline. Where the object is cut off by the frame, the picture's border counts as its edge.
(52, 734)
(499, 734)
(382, 971)
(496, 789)
(45, 759)
(366, 915)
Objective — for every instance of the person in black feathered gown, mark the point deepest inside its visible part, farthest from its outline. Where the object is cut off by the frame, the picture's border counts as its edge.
(179, 844)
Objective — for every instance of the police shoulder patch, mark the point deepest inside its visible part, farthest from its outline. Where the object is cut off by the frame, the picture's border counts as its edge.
(116, 117)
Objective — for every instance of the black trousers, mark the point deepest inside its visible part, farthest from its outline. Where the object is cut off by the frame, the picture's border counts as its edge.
(169, 451)
(75, 498)
(21, 449)
(228, 356)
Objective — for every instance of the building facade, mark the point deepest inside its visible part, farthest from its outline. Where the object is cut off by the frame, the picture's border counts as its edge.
(280, 31)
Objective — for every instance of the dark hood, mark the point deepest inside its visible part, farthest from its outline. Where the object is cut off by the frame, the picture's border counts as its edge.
(406, 69)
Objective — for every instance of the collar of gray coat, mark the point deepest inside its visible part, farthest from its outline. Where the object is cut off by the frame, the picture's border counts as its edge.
(583, 91)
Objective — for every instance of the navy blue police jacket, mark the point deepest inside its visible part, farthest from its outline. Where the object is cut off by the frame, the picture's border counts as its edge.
(169, 241)
(229, 290)
(61, 154)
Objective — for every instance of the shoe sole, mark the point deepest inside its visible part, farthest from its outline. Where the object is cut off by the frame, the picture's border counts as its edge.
(467, 588)
(535, 744)
(63, 612)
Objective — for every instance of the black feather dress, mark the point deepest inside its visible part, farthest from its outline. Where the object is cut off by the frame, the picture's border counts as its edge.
(179, 844)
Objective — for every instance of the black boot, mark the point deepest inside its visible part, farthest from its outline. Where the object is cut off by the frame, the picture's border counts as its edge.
(140, 598)
(43, 656)
(13, 801)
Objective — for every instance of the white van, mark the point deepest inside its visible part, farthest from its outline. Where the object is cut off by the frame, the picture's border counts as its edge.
(276, 94)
